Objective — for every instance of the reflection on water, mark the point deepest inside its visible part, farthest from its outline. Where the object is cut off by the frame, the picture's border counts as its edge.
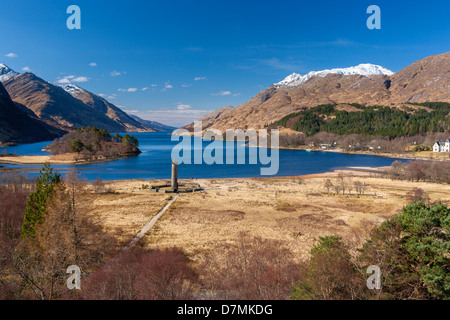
(155, 162)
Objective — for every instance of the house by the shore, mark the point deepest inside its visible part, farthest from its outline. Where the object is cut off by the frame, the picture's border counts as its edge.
(442, 146)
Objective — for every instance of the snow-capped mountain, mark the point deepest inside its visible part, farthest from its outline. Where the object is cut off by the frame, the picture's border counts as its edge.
(6, 73)
(366, 84)
(365, 69)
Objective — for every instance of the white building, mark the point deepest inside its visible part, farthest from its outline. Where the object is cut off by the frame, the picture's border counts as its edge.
(442, 146)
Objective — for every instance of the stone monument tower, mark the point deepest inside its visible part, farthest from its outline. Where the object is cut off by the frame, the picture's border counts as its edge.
(174, 184)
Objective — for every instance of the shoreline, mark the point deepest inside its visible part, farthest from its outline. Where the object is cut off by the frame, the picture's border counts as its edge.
(67, 159)
(369, 153)
(332, 172)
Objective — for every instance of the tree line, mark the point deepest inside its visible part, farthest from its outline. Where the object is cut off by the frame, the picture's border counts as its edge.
(360, 142)
(371, 120)
(430, 171)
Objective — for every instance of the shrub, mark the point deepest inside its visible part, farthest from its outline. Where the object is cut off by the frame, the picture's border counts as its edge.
(144, 275)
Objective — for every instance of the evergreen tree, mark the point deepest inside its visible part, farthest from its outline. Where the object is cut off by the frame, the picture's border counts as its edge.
(76, 146)
(412, 250)
(37, 203)
(126, 139)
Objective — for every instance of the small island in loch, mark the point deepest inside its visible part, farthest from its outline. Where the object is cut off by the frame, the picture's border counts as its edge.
(84, 145)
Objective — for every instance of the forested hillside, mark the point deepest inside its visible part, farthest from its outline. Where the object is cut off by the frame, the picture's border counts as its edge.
(371, 120)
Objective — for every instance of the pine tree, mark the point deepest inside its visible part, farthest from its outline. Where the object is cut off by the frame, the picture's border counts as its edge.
(37, 203)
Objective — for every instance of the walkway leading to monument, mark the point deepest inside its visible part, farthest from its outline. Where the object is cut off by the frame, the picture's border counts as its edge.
(150, 225)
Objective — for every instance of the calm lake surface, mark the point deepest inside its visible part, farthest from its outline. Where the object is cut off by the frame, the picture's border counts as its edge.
(155, 162)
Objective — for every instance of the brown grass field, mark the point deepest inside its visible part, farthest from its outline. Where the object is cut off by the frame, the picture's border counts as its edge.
(272, 208)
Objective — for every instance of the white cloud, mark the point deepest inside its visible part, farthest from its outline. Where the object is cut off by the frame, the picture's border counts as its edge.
(154, 85)
(186, 85)
(11, 55)
(128, 90)
(181, 106)
(199, 78)
(102, 95)
(63, 81)
(26, 69)
(80, 79)
(93, 64)
(144, 89)
(71, 79)
(112, 97)
(167, 86)
(221, 93)
(115, 73)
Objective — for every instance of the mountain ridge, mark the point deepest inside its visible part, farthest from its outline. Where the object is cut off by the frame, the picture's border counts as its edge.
(365, 69)
(110, 110)
(426, 80)
(67, 107)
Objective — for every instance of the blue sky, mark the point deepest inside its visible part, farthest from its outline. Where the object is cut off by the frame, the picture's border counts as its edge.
(192, 57)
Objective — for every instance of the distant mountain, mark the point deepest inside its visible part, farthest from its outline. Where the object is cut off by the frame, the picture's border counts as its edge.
(54, 104)
(365, 69)
(427, 80)
(103, 106)
(67, 106)
(18, 126)
(153, 124)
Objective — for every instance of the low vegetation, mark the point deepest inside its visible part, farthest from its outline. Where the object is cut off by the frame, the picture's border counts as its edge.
(47, 225)
(144, 275)
(411, 250)
(431, 171)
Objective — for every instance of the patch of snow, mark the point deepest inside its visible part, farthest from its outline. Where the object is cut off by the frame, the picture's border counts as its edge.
(72, 89)
(6, 73)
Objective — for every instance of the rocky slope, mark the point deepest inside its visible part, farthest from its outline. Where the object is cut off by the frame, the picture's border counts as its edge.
(54, 104)
(210, 118)
(68, 106)
(19, 126)
(425, 80)
(103, 106)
